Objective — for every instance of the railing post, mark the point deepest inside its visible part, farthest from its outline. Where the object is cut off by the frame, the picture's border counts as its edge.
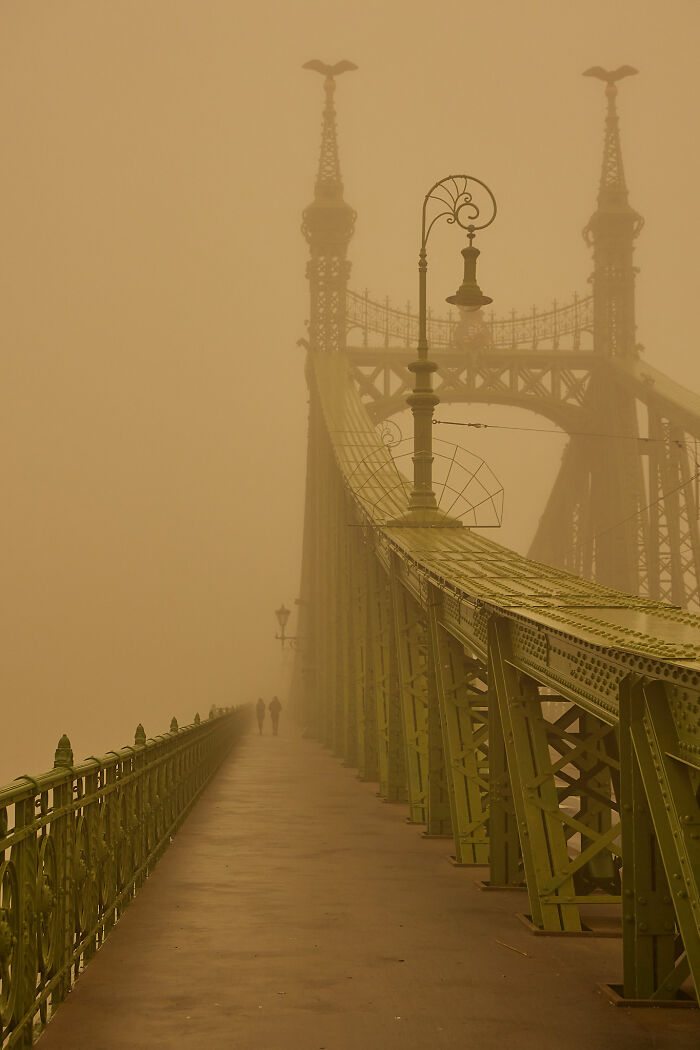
(62, 832)
(23, 856)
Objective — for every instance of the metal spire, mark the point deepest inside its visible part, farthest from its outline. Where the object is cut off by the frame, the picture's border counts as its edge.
(328, 224)
(329, 184)
(611, 232)
(612, 192)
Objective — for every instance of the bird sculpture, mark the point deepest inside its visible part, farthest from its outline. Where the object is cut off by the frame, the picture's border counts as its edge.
(610, 76)
(329, 71)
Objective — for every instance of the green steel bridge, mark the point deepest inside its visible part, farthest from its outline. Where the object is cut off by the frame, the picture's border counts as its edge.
(541, 712)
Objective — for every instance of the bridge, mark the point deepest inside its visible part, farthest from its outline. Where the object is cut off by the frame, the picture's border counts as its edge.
(537, 718)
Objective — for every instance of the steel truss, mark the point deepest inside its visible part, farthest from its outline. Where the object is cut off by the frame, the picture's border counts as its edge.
(535, 733)
(548, 723)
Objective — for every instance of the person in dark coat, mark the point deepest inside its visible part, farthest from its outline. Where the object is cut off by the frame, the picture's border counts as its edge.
(260, 713)
(275, 708)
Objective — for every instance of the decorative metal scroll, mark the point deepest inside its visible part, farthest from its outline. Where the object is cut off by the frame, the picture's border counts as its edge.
(76, 844)
(390, 432)
(452, 199)
(561, 327)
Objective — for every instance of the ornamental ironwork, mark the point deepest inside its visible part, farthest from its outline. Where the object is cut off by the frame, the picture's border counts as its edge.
(561, 326)
(77, 843)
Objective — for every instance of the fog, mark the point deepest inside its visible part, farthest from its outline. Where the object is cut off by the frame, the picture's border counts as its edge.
(157, 155)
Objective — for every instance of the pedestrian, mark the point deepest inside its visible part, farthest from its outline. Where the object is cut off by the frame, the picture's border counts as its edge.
(275, 708)
(260, 713)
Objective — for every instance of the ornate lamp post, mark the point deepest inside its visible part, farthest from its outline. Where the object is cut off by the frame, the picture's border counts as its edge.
(453, 200)
(283, 615)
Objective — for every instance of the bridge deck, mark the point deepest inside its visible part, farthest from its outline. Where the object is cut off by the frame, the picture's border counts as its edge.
(294, 911)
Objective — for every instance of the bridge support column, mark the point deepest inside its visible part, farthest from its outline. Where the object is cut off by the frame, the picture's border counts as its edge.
(352, 636)
(439, 821)
(390, 739)
(368, 756)
(324, 601)
(412, 659)
(505, 855)
(553, 905)
(341, 627)
(661, 844)
(463, 711)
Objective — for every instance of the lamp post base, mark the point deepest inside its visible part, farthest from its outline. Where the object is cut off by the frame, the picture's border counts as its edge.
(425, 518)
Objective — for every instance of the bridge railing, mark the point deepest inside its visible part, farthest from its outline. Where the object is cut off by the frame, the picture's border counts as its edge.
(536, 329)
(77, 842)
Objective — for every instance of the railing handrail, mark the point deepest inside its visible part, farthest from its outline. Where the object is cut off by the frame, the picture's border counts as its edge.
(77, 842)
(13, 792)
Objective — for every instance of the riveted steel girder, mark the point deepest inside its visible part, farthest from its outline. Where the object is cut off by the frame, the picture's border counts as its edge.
(412, 668)
(661, 842)
(463, 706)
(522, 666)
(543, 844)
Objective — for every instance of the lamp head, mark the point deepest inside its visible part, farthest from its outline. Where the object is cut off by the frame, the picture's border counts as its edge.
(469, 296)
(282, 615)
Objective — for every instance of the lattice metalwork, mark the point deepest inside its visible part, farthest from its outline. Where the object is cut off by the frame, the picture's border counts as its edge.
(548, 722)
(567, 326)
(498, 724)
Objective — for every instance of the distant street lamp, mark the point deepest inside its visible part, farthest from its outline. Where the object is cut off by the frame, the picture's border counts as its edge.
(453, 195)
(282, 615)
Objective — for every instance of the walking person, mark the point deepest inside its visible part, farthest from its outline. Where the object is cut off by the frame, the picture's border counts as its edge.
(260, 713)
(275, 708)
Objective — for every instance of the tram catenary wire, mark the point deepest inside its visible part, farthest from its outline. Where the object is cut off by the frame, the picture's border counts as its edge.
(557, 433)
(587, 433)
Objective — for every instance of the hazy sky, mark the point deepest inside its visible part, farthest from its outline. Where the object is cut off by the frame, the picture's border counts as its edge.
(157, 155)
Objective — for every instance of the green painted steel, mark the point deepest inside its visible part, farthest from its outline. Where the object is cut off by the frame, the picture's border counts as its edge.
(661, 836)
(412, 669)
(522, 665)
(463, 708)
(548, 723)
(534, 789)
(76, 843)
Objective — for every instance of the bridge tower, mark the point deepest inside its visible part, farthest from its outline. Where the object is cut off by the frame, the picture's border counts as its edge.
(594, 522)
(327, 225)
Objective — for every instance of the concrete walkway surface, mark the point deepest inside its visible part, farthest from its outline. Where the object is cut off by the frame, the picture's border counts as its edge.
(296, 911)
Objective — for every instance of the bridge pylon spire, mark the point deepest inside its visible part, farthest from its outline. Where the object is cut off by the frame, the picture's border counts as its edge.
(328, 224)
(611, 232)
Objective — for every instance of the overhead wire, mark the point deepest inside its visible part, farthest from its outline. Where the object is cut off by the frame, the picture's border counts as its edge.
(557, 433)
(587, 433)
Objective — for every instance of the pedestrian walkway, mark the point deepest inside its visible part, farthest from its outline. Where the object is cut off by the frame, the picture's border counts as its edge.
(296, 911)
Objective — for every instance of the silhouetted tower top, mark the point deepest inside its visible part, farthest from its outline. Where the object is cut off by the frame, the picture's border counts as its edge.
(611, 231)
(612, 192)
(329, 184)
(328, 224)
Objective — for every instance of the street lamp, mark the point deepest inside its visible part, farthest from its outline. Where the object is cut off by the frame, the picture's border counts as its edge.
(282, 615)
(455, 203)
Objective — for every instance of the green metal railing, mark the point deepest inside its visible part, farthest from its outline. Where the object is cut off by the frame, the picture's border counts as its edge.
(77, 842)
